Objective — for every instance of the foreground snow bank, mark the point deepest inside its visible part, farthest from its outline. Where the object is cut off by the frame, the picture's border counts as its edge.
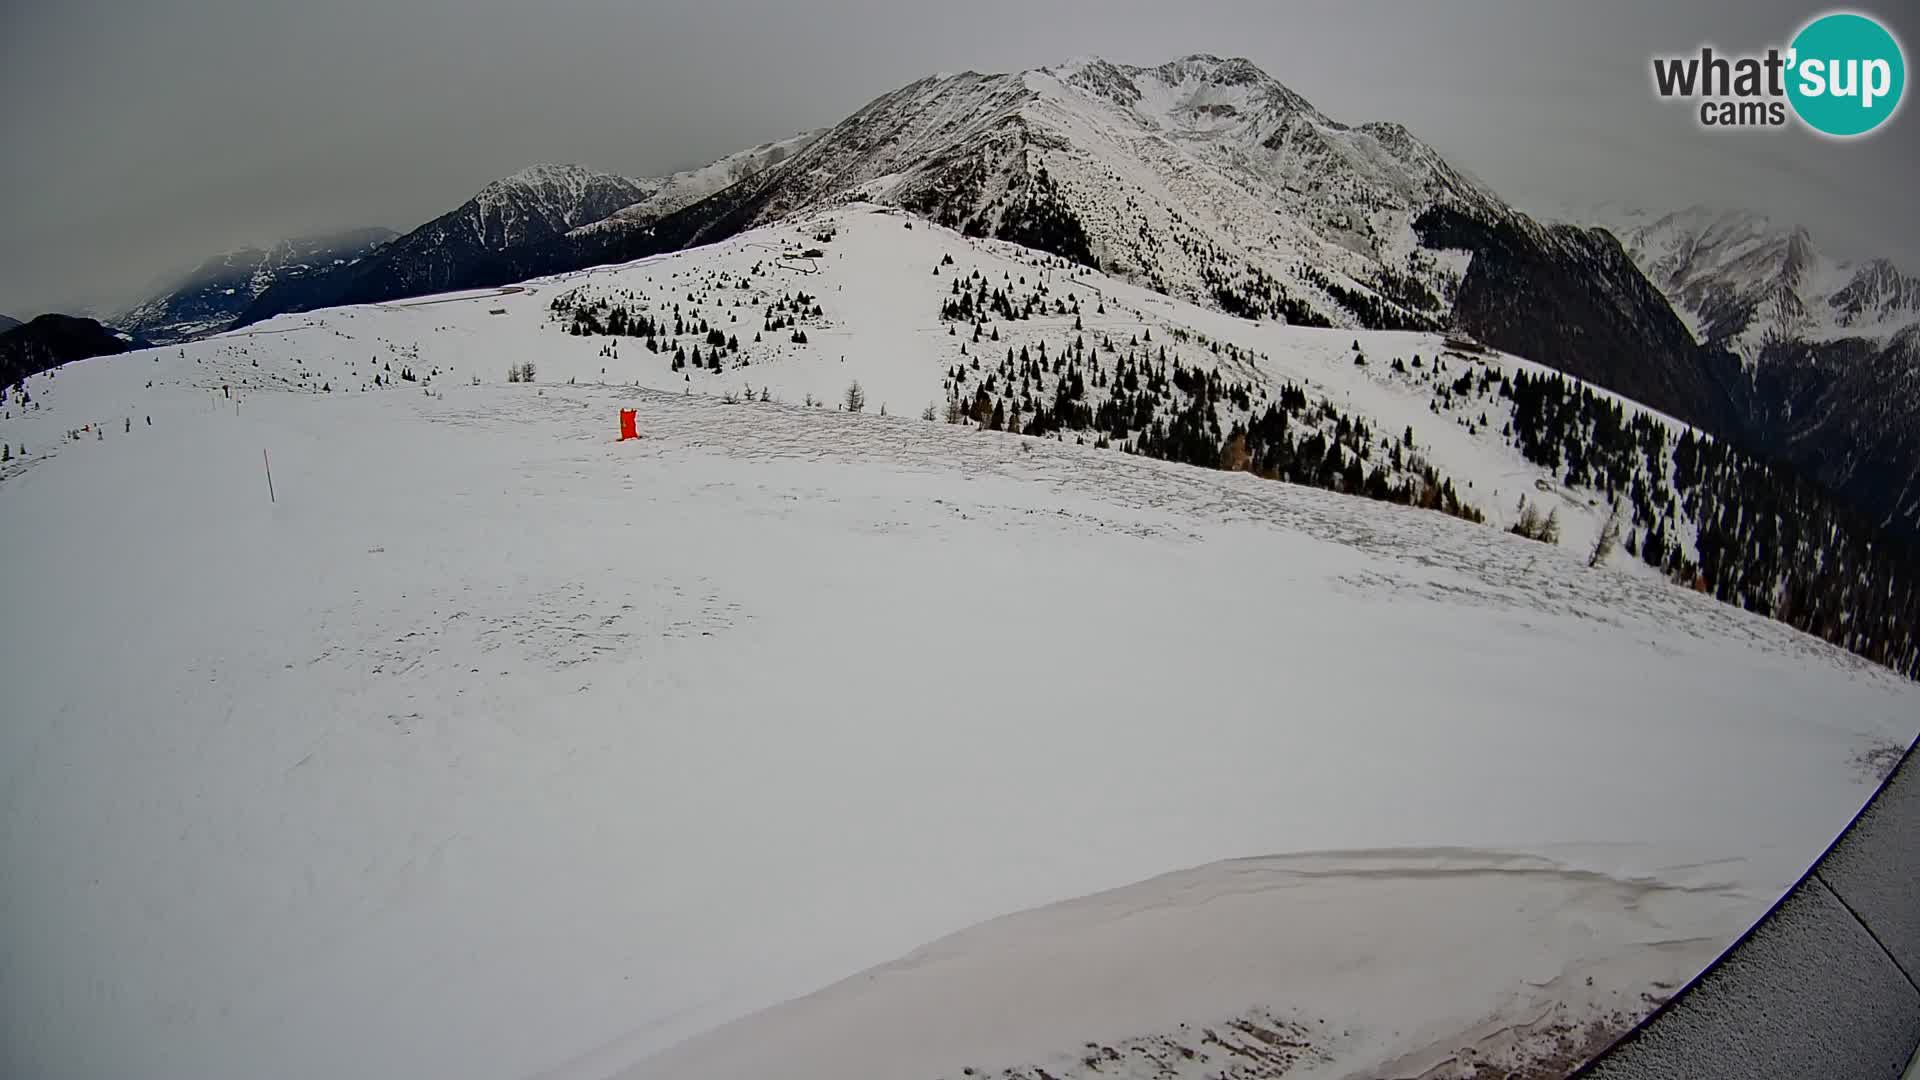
(493, 742)
(1408, 962)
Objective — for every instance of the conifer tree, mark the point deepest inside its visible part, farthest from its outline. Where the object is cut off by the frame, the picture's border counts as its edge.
(1609, 536)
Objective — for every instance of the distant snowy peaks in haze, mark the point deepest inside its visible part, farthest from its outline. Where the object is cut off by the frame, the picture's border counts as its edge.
(208, 298)
(1746, 281)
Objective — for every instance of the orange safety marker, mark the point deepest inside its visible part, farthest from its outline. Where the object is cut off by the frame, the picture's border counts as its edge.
(629, 424)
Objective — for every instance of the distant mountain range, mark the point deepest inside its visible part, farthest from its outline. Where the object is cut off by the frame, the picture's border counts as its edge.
(1745, 283)
(1206, 179)
(8, 322)
(210, 297)
(489, 238)
(512, 229)
(1828, 375)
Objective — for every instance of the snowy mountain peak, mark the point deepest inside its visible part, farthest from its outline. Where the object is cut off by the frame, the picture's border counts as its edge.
(541, 201)
(1101, 77)
(544, 174)
(1203, 71)
(1202, 177)
(1877, 292)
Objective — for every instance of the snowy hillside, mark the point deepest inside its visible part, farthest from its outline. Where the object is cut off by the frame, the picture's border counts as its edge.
(934, 324)
(490, 746)
(867, 288)
(1746, 282)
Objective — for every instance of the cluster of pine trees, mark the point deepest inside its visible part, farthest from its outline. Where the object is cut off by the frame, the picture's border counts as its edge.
(1340, 453)
(1256, 294)
(1761, 537)
(1397, 302)
(386, 376)
(612, 321)
(1371, 310)
(1143, 400)
(1035, 214)
(719, 346)
(585, 314)
(973, 299)
(1042, 220)
(1409, 292)
(786, 312)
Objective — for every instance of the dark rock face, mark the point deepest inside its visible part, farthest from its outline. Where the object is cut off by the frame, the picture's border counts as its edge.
(1570, 298)
(1847, 414)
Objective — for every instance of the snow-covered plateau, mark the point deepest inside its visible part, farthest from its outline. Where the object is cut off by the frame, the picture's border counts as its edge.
(784, 741)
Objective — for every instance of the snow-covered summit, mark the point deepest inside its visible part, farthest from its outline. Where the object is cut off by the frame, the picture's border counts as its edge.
(1202, 177)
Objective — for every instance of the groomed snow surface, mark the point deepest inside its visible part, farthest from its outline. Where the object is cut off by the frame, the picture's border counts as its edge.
(784, 742)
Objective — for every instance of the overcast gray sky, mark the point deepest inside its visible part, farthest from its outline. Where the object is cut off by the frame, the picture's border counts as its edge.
(144, 135)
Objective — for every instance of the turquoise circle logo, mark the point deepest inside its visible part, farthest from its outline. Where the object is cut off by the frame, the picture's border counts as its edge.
(1848, 74)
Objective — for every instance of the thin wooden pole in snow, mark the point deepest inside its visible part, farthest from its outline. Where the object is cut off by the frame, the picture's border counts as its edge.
(269, 465)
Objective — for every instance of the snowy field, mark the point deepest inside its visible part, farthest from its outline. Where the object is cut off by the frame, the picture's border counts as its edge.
(789, 742)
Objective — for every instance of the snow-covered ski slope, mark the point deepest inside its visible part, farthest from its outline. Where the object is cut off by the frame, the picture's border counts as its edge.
(495, 747)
